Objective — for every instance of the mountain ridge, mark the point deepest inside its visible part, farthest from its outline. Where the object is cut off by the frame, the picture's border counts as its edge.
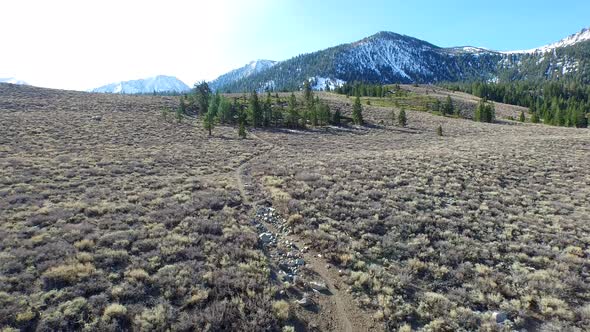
(158, 84)
(388, 57)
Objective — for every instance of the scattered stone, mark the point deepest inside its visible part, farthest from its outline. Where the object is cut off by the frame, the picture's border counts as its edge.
(327, 266)
(318, 286)
(499, 316)
(305, 301)
(97, 118)
(299, 261)
(266, 238)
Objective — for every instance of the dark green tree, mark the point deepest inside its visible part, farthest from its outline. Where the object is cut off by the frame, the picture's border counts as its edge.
(439, 130)
(448, 107)
(267, 110)
(535, 117)
(202, 95)
(336, 118)
(402, 120)
(224, 111)
(255, 115)
(436, 106)
(241, 125)
(357, 112)
(292, 113)
(522, 118)
(209, 121)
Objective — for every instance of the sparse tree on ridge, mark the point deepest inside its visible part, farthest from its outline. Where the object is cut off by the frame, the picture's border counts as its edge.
(522, 118)
(439, 130)
(393, 117)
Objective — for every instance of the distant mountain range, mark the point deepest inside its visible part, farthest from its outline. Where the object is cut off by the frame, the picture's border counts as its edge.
(158, 84)
(13, 80)
(254, 67)
(387, 57)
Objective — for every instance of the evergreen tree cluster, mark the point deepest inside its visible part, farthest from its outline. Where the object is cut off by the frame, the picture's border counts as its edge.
(259, 112)
(362, 90)
(485, 111)
(555, 103)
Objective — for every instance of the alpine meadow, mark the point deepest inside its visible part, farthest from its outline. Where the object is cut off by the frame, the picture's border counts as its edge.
(382, 184)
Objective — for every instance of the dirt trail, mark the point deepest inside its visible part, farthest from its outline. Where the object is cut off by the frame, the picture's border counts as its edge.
(339, 307)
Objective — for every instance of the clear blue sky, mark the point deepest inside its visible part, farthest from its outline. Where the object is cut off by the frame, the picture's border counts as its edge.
(308, 25)
(76, 44)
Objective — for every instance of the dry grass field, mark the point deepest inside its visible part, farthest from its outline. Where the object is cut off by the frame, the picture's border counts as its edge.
(112, 218)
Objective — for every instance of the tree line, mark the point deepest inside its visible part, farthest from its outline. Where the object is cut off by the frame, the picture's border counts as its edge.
(554, 103)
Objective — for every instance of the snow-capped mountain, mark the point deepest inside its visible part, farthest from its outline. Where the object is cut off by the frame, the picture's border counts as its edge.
(157, 84)
(576, 38)
(13, 80)
(387, 57)
(248, 70)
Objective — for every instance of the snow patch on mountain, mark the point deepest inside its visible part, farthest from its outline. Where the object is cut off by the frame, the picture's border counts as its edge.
(13, 80)
(398, 55)
(252, 68)
(319, 83)
(157, 84)
(579, 37)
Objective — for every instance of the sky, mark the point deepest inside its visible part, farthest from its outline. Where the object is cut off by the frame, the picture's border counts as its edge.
(83, 44)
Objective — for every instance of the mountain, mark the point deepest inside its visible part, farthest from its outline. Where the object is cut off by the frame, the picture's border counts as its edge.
(159, 84)
(248, 70)
(387, 57)
(13, 80)
(576, 38)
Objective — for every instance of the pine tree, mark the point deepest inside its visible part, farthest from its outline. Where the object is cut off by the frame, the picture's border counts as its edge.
(178, 115)
(292, 114)
(439, 130)
(581, 121)
(209, 121)
(357, 112)
(224, 111)
(402, 119)
(436, 106)
(521, 118)
(165, 112)
(255, 116)
(202, 95)
(336, 118)
(535, 118)
(393, 117)
(277, 114)
(307, 93)
(267, 110)
(242, 125)
(214, 104)
(182, 105)
(448, 107)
